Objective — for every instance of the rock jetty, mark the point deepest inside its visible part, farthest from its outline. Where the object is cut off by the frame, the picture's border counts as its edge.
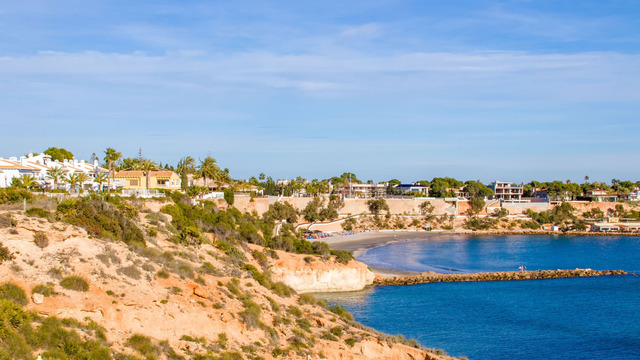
(430, 277)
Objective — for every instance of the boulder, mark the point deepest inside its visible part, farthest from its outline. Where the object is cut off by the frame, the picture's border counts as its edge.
(37, 298)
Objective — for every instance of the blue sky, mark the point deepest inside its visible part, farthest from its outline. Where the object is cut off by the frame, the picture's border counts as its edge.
(510, 90)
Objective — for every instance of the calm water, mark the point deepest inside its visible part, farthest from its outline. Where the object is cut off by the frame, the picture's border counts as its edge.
(577, 318)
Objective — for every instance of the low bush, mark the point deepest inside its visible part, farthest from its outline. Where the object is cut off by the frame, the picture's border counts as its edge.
(130, 271)
(5, 254)
(44, 289)
(163, 274)
(75, 283)
(340, 311)
(143, 345)
(342, 256)
(6, 221)
(251, 313)
(102, 219)
(40, 239)
(12, 292)
(39, 212)
(14, 195)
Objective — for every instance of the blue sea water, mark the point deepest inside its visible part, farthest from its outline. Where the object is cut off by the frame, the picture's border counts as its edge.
(575, 318)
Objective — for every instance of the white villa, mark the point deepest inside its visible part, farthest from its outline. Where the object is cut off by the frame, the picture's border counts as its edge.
(39, 166)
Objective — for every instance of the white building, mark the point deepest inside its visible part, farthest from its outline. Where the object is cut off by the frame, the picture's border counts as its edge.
(39, 166)
(507, 191)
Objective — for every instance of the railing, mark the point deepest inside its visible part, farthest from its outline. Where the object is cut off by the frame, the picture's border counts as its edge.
(143, 193)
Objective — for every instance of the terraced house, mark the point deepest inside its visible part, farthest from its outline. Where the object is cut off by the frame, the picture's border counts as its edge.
(137, 180)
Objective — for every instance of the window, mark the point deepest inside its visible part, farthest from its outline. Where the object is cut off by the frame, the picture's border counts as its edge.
(133, 182)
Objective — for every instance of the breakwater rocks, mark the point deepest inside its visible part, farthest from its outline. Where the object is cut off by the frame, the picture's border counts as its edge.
(429, 277)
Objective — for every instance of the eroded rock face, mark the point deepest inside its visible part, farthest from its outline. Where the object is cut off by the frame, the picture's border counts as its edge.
(319, 275)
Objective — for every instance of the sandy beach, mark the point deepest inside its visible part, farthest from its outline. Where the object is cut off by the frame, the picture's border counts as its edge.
(358, 242)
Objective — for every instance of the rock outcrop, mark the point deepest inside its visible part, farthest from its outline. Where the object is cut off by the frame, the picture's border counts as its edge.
(318, 275)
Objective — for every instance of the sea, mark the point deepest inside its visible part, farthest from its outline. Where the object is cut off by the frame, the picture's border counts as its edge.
(573, 318)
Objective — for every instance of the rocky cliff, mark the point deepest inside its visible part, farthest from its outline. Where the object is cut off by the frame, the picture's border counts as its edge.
(318, 275)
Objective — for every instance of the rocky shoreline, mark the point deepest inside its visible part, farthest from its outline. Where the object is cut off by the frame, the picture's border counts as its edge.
(430, 277)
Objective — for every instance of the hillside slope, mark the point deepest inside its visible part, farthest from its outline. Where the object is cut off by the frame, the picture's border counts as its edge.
(181, 302)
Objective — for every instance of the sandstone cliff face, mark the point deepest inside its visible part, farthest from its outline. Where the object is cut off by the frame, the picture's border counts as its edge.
(320, 276)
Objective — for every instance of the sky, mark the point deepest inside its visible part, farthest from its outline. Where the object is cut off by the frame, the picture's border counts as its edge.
(489, 90)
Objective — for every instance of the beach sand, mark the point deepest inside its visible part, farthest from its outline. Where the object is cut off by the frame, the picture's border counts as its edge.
(358, 242)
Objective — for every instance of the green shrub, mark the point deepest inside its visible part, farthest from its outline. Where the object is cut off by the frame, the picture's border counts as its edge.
(340, 311)
(44, 289)
(307, 299)
(11, 317)
(295, 311)
(350, 341)
(281, 289)
(12, 292)
(163, 274)
(39, 212)
(103, 219)
(143, 345)
(342, 256)
(14, 195)
(75, 283)
(251, 313)
(337, 331)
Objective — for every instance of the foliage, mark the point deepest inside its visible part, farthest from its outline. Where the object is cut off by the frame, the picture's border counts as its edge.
(348, 224)
(251, 313)
(476, 223)
(60, 154)
(39, 212)
(13, 195)
(476, 188)
(12, 292)
(229, 196)
(558, 215)
(377, 205)
(143, 345)
(74, 282)
(44, 289)
(476, 205)
(103, 219)
(341, 312)
(282, 211)
(500, 213)
(443, 187)
(342, 256)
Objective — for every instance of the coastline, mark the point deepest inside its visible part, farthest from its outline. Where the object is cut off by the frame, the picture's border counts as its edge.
(361, 241)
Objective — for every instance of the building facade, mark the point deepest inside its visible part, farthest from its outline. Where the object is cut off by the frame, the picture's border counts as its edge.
(507, 191)
(137, 180)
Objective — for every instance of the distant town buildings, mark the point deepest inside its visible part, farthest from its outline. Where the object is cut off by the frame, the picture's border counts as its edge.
(358, 190)
(137, 180)
(412, 188)
(507, 191)
(40, 167)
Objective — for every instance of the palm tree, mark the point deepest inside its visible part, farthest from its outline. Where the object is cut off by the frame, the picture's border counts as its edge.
(208, 169)
(56, 174)
(111, 157)
(25, 180)
(76, 178)
(186, 165)
(146, 166)
(100, 179)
